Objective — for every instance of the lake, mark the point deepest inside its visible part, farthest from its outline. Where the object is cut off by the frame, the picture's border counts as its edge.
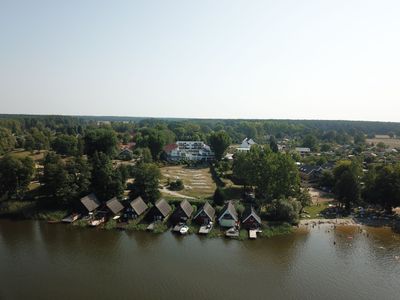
(57, 261)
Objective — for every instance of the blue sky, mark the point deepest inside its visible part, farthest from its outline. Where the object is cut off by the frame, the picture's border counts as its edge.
(209, 59)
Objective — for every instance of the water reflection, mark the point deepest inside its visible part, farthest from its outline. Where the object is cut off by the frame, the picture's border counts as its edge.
(312, 263)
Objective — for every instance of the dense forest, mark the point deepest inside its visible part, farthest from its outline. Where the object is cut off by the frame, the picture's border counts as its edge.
(80, 156)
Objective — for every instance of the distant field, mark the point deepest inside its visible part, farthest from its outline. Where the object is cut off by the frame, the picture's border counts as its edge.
(198, 181)
(393, 143)
(36, 155)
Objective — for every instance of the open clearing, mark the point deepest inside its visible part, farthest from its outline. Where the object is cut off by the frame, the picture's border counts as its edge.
(392, 143)
(198, 181)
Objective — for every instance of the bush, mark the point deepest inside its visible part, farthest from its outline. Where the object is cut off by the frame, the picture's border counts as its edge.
(176, 185)
(285, 210)
(219, 196)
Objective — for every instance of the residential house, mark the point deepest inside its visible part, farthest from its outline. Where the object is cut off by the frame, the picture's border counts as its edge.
(114, 206)
(182, 213)
(246, 145)
(229, 216)
(136, 208)
(90, 202)
(205, 215)
(160, 211)
(189, 150)
(310, 173)
(303, 150)
(250, 219)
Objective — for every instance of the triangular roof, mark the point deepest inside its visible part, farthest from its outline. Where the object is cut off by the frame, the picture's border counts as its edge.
(138, 205)
(186, 207)
(163, 207)
(208, 209)
(230, 208)
(114, 205)
(249, 211)
(90, 202)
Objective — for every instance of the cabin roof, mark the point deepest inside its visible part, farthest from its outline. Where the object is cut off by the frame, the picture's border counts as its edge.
(90, 202)
(186, 207)
(114, 205)
(138, 205)
(230, 208)
(163, 207)
(208, 209)
(248, 212)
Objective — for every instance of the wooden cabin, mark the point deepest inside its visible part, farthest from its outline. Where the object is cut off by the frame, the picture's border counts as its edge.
(115, 206)
(205, 215)
(136, 208)
(229, 216)
(183, 212)
(250, 219)
(90, 202)
(160, 211)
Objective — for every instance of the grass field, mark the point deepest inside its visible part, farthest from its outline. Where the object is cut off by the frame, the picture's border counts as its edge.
(392, 143)
(198, 181)
(36, 155)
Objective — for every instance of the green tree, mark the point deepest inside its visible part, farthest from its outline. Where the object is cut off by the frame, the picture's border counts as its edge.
(15, 176)
(304, 198)
(219, 196)
(285, 210)
(347, 183)
(310, 141)
(147, 177)
(64, 182)
(219, 142)
(65, 144)
(106, 181)
(273, 144)
(100, 140)
(7, 140)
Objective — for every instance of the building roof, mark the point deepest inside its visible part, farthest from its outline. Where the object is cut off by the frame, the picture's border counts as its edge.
(208, 209)
(114, 205)
(170, 147)
(186, 207)
(138, 205)
(230, 208)
(303, 149)
(90, 202)
(163, 207)
(308, 169)
(248, 212)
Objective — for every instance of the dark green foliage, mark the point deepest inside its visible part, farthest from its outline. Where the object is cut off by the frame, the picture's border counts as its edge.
(100, 140)
(219, 196)
(310, 141)
(176, 185)
(347, 183)
(147, 177)
(274, 175)
(65, 144)
(107, 182)
(219, 142)
(272, 144)
(65, 181)
(382, 186)
(7, 140)
(284, 210)
(15, 176)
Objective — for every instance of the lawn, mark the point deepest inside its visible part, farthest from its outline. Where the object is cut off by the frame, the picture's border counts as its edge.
(198, 181)
(36, 155)
(314, 210)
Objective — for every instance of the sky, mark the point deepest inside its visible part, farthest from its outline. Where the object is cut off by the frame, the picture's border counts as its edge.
(336, 59)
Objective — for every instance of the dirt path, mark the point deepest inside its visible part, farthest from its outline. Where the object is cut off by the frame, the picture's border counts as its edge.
(175, 194)
(318, 196)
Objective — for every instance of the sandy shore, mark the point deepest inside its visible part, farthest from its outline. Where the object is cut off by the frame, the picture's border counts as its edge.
(313, 222)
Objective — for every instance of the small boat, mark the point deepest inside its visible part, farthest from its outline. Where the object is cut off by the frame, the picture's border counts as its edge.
(184, 229)
(71, 218)
(97, 222)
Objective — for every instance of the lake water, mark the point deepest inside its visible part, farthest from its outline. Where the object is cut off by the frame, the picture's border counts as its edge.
(56, 261)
